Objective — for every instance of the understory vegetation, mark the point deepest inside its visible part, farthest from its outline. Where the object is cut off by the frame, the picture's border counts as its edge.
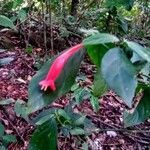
(74, 75)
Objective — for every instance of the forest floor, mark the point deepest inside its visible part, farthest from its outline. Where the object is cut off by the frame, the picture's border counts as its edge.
(14, 81)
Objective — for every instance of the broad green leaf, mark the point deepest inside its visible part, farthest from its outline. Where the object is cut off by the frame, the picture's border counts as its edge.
(7, 101)
(119, 74)
(100, 85)
(141, 112)
(6, 22)
(94, 103)
(22, 15)
(96, 53)
(141, 51)
(5, 61)
(2, 129)
(45, 136)
(100, 38)
(77, 131)
(39, 98)
(9, 138)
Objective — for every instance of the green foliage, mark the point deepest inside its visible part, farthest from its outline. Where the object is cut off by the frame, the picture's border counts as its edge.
(100, 38)
(95, 103)
(39, 98)
(45, 136)
(6, 22)
(138, 49)
(29, 49)
(96, 53)
(21, 109)
(5, 139)
(99, 86)
(141, 112)
(51, 120)
(22, 15)
(81, 94)
(17, 3)
(119, 74)
(128, 4)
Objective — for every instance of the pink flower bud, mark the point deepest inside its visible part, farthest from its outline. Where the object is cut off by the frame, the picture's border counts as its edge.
(57, 67)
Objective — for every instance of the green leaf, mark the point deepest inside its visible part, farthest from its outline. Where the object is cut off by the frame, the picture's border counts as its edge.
(77, 131)
(7, 101)
(122, 24)
(119, 74)
(6, 22)
(2, 148)
(145, 72)
(44, 137)
(38, 98)
(128, 4)
(96, 53)
(135, 58)
(9, 138)
(21, 109)
(65, 130)
(2, 129)
(17, 3)
(141, 112)
(22, 16)
(100, 38)
(44, 119)
(80, 94)
(80, 121)
(5, 61)
(100, 85)
(74, 87)
(43, 115)
(62, 113)
(94, 103)
(7, 6)
(141, 51)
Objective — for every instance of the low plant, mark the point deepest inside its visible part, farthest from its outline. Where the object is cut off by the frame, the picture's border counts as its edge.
(122, 66)
(5, 138)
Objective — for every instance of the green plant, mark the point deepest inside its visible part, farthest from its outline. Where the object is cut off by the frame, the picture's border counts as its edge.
(122, 66)
(5, 138)
(53, 120)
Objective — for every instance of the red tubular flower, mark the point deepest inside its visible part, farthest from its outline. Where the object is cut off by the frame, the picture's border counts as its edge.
(57, 67)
